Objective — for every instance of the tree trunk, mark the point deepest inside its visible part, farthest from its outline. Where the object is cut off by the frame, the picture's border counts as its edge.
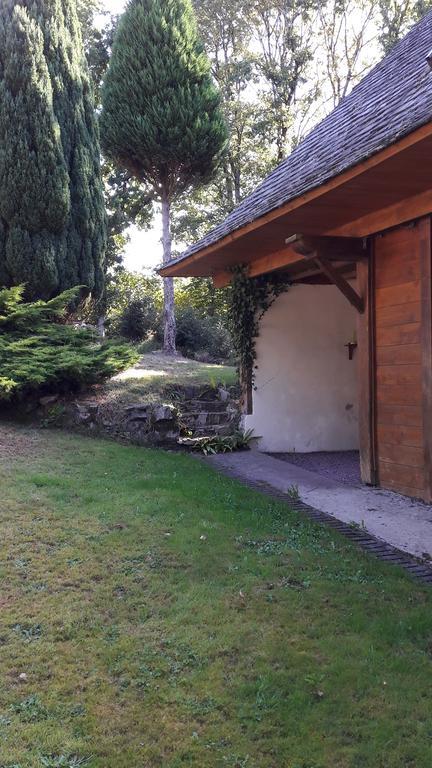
(101, 326)
(169, 346)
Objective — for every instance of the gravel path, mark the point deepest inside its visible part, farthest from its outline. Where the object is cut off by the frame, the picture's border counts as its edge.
(402, 522)
(342, 466)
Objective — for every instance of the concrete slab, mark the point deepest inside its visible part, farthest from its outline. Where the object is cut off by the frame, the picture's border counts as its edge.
(402, 522)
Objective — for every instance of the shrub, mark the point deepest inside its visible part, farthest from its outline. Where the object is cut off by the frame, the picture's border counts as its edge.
(40, 352)
(201, 337)
(123, 287)
(138, 319)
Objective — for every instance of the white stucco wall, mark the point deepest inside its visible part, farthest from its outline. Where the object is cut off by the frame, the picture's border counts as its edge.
(306, 396)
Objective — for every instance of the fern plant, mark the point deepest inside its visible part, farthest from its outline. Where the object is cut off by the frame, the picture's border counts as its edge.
(211, 444)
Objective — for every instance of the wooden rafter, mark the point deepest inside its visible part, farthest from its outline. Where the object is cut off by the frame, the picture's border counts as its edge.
(342, 283)
(322, 250)
(317, 276)
(329, 247)
(316, 253)
(222, 278)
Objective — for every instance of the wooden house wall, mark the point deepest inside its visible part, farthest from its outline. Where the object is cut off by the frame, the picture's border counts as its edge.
(402, 340)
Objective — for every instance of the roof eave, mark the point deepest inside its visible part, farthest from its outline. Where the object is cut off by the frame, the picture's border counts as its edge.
(184, 266)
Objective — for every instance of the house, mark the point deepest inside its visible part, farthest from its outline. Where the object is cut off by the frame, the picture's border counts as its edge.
(345, 355)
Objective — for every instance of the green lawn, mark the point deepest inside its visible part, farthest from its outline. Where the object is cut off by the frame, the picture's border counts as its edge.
(164, 616)
(156, 373)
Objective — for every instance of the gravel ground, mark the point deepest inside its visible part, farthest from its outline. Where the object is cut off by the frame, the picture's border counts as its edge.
(342, 466)
(402, 522)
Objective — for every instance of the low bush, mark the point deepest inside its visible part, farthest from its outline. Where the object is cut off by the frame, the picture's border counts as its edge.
(138, 319)
(40, 352)
(202, 338)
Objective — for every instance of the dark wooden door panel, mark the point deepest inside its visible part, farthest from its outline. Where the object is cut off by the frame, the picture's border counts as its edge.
(399, 356)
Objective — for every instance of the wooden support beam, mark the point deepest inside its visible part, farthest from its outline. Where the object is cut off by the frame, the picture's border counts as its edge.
(317, 277)
(246, 389)
(286, 257)
(330, 248)
(342, 283)
(222, 279)
(366, 367)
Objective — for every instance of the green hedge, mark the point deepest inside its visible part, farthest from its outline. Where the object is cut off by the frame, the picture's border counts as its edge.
(40, 352)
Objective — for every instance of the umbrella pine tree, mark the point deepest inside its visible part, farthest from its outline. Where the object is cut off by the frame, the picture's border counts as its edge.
(160, 112)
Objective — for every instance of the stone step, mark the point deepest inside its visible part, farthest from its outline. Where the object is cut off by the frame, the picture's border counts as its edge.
(191, 406)
(197, 391)
(202, 418)
(213, 429)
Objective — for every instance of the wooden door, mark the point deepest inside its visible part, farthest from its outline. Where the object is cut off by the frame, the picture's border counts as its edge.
(402, 302)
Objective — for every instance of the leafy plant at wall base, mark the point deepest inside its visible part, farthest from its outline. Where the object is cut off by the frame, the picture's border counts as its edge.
(293, 492)
(250, 299)
(222, 443)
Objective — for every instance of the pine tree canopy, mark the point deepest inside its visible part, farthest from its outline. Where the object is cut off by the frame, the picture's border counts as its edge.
(52, 216)
(161, 116)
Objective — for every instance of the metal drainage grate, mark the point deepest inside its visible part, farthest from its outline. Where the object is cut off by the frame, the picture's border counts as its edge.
(380, 549)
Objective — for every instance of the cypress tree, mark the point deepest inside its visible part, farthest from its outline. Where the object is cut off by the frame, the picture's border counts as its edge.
(160, 111)
(52, 216)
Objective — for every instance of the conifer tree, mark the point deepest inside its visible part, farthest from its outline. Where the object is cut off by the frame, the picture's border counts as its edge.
(161, 118)
(52, 216)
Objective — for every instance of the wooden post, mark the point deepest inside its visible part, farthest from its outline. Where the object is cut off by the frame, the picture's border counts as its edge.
(246, 391)
(366, 370)
(426, 342)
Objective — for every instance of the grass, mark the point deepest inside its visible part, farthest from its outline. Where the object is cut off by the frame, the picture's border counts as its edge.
(155, 614)
(156, 373)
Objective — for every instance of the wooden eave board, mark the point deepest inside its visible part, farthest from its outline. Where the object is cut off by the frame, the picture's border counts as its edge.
(339, 209)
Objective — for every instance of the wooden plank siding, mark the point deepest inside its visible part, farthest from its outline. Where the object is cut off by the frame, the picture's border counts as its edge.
(403, 354)
(426, 343)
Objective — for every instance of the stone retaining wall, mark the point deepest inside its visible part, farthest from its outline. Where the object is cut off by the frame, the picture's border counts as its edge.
(188, 411)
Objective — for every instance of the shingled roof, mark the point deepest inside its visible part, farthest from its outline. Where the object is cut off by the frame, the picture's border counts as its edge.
(394, 99)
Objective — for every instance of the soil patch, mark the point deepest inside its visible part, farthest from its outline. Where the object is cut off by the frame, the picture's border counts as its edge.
(18, 442)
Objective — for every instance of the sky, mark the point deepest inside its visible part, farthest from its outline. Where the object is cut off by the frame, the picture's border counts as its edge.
(144, 251)
(114, 6)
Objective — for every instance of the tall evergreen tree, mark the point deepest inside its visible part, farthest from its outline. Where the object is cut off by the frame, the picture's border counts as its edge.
(161, 118)
(52, 216)
(396, 17)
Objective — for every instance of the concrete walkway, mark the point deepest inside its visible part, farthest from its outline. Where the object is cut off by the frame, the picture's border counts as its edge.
(403, 523)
